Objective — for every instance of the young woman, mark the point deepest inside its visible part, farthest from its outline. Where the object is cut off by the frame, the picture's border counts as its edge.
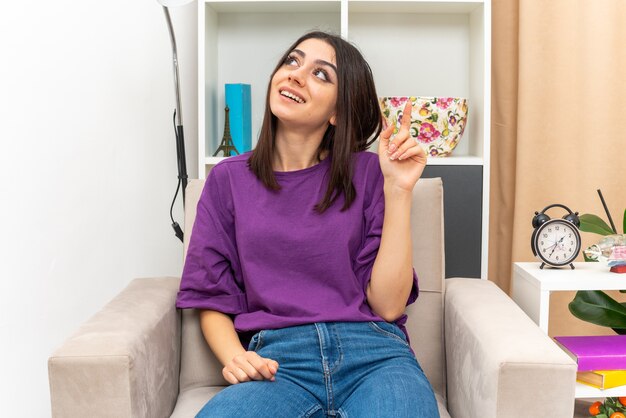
(304, 245)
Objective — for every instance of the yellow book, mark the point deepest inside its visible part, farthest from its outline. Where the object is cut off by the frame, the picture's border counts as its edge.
(603, 379)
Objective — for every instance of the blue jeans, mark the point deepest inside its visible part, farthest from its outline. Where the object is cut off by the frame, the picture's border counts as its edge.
(337, 369)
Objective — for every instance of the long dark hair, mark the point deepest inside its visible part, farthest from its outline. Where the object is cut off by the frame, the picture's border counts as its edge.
(358, 122)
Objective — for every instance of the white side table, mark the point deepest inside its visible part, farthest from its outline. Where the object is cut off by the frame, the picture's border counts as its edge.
(531, 289)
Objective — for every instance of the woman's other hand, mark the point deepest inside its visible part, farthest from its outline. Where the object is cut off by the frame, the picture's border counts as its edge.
(402, 159)
(249, 366)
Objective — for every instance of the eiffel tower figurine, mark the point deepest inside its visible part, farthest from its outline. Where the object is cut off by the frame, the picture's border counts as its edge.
(227, 144)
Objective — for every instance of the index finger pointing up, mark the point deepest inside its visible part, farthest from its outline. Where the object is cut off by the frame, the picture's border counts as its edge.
(406, 114)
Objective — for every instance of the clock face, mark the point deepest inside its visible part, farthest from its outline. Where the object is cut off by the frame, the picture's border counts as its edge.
(557, 242)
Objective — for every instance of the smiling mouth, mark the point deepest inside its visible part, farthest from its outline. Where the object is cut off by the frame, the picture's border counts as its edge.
(292, 96)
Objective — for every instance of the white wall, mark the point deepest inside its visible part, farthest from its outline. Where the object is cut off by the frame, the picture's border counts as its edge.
(87, 170)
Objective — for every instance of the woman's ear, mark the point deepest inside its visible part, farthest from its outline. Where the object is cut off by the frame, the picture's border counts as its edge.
(333, 120)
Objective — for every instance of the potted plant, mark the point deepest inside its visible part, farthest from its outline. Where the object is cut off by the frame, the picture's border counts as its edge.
(595, 306)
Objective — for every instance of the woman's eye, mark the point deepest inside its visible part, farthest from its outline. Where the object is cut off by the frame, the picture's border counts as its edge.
(291, 61)
(322, 74)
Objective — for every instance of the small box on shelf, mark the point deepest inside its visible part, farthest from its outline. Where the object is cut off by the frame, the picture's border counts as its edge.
(238, 101)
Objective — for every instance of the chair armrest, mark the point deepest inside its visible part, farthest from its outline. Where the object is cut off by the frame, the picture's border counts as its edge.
(125, 360)
(499, 363)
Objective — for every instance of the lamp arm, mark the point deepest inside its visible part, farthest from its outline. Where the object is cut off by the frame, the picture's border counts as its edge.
(178, 122)
(179, 110)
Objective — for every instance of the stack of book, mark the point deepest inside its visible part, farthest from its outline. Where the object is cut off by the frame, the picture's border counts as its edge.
(601, 358)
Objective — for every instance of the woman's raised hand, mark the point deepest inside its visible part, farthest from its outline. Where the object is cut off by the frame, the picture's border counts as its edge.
(402, 159)
(249, 366)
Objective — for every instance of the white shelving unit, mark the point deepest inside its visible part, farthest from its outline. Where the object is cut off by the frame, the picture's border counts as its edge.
(415, 48)
(531, 288)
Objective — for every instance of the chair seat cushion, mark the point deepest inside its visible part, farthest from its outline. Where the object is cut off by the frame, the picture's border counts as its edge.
(443, 411)
(191, 401)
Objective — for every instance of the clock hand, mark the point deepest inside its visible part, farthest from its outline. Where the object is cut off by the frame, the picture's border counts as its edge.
(556, 244)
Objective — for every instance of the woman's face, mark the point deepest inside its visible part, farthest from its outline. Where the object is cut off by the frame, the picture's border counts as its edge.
(303, 92)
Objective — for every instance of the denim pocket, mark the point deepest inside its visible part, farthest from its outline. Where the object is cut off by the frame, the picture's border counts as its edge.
(256, 342)
(390, 330)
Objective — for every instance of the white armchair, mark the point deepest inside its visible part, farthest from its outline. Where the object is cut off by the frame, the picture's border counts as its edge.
(141, 357)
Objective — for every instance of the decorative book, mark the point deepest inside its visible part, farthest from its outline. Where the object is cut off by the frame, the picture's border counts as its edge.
(596, 352)
(238, 101)
(603, 379)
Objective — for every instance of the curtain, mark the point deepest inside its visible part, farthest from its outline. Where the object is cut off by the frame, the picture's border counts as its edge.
(558, 125)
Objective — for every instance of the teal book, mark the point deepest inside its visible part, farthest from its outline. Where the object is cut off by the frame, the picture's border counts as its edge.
(238, 101)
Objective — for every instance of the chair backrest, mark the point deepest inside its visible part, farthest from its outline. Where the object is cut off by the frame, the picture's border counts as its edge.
(425, 324)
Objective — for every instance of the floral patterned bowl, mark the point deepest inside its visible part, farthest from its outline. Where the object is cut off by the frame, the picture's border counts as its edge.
(436, 122)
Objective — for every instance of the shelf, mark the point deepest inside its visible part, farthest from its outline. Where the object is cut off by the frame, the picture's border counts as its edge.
(456, 160)
(531, 288)
(441, 55)
(413, 6)
(284, 6)
(443, 45)
(585, 276)
(213, 160)
(360, 6)
(241, 42)
(586, 391)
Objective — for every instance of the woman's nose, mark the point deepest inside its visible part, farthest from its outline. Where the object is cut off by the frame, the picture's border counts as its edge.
(297, 76)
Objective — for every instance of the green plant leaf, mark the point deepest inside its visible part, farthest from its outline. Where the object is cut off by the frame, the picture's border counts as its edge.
(599, 308)
(594, 224)
(589, 260)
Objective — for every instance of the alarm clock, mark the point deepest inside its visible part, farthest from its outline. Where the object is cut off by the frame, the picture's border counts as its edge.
(556, 242)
